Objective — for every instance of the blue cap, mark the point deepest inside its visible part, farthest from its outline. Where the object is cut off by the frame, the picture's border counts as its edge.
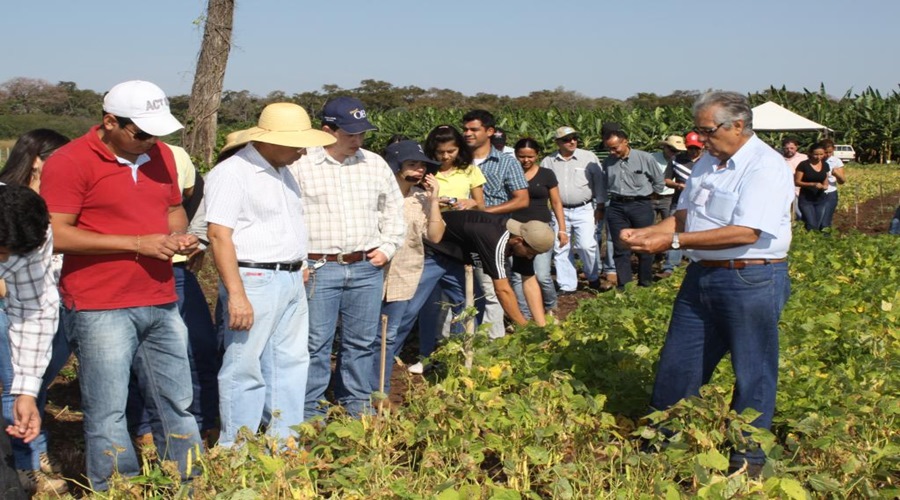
(402, 151)
(348, 114)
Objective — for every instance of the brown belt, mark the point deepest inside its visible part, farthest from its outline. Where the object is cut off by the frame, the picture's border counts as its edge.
(739, 263)
(341, 258)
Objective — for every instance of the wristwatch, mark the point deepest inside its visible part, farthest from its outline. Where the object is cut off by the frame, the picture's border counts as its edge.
(675, 243)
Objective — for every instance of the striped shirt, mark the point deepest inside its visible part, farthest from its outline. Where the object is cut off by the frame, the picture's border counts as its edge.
(32, 305)
(504, 175)
(350, 206)
(261, 204)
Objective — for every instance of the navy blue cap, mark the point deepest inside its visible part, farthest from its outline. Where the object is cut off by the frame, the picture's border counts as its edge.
(348, 114)
(402, 151)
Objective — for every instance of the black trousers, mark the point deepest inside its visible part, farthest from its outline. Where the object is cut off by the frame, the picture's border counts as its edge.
(630, 214)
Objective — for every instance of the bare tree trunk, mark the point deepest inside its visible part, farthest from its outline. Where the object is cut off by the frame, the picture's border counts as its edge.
(199, 137)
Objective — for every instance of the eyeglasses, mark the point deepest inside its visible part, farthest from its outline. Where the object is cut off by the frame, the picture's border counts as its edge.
(568, 138)
(707, 131)
(137, 134)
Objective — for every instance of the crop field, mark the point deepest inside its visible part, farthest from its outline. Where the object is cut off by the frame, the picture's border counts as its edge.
(561, 411)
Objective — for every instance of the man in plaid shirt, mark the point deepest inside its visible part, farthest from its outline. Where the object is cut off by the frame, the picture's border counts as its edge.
(354, 212)
(26, 247)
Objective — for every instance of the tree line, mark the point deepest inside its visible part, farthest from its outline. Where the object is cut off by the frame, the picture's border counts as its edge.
(868, 120)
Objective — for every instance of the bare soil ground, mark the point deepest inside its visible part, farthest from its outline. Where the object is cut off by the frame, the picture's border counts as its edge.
(63, 420)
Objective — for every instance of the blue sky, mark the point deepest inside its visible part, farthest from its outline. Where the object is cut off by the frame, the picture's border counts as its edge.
(599, 48)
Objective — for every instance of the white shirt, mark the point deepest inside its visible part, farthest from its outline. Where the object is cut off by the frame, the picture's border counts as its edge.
(350, 206)
(833, 162)
(753, 190)
(662, 162)
(261, 204)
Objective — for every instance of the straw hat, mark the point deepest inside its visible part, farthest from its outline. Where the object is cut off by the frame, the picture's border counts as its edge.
(287, 124)
(235, 139)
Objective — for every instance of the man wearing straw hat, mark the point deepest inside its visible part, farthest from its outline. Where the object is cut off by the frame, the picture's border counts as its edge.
(259, 243)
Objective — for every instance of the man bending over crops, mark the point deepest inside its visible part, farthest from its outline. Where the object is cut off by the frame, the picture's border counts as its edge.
(734, 221)
(490, 240)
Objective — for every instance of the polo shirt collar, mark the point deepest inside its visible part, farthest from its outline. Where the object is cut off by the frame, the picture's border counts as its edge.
(744, 154)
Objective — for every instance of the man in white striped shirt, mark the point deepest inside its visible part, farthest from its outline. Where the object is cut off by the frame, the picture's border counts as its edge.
(259, 243)
(354, 211)
(26, 248)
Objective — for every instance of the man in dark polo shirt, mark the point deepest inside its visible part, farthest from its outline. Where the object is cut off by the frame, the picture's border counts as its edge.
(490, 239)
(632, 176)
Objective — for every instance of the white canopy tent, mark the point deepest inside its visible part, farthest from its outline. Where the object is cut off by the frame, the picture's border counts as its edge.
(771, 116)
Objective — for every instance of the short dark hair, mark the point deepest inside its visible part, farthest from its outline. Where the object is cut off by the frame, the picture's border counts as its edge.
(621, 134)
(790, 140)
(827, 143)
(484, 116)
(23, 219)
(448, 133)
(38, 143)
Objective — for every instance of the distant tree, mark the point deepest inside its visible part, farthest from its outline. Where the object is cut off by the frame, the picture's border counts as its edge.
(199, 136)
(23, 96)
(238, 108)
(81, 102)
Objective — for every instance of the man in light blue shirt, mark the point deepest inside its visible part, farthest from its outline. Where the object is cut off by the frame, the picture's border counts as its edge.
(734, 221)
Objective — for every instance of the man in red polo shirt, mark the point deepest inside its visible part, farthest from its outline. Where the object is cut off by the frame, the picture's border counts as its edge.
(116, 214)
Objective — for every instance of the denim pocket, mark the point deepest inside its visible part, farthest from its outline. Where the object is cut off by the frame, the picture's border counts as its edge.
(755, 275)
(255, 278)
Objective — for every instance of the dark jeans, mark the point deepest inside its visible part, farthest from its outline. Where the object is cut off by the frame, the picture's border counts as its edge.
(720, 310)
(624, 215)
(831, 203)
(814, 211)
(204, 356)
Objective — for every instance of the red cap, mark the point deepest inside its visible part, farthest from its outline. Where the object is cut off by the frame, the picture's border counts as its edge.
(693, 139)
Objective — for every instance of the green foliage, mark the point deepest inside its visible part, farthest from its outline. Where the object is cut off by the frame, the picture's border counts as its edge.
(561, 411)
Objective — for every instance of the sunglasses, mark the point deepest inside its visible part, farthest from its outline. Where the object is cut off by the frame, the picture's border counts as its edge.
(568, 138)
(136, 134)
(707, 131)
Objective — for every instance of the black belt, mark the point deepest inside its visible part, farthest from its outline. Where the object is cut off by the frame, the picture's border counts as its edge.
(179, 264)
(615, 197)
(290, 267)
(577, 205)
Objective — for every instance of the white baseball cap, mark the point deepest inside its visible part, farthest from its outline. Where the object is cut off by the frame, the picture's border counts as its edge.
(143, 103)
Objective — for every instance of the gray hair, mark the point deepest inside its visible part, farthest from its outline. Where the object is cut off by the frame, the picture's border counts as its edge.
(732, 107)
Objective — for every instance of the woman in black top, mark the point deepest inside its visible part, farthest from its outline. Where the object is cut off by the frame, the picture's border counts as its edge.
(543, 191)
(811, 177)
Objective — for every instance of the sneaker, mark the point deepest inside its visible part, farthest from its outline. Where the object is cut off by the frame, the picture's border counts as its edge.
(416, 369)
(35, 481)
(49, 466)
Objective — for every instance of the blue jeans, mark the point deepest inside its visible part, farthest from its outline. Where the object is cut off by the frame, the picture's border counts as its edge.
(351, 292)
(581, 227)
(152, 339)
(264, 370)
(26, 456)
(542, 272)
(720, 310)
(605, 257)
(203, 356)
(440, 275)
(814, 211)
(630, 214)
(831, 203)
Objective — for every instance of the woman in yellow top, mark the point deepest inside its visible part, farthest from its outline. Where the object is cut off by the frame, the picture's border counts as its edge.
(458, 177)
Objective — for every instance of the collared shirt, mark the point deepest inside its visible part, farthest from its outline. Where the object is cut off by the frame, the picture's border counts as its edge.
(635, 175)
(752, 190)
(504, 175)
(405, 269)
(833, 162)
(580, 177)
(350, 206)
(32, 305)
(662, 163)
(261, 204)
